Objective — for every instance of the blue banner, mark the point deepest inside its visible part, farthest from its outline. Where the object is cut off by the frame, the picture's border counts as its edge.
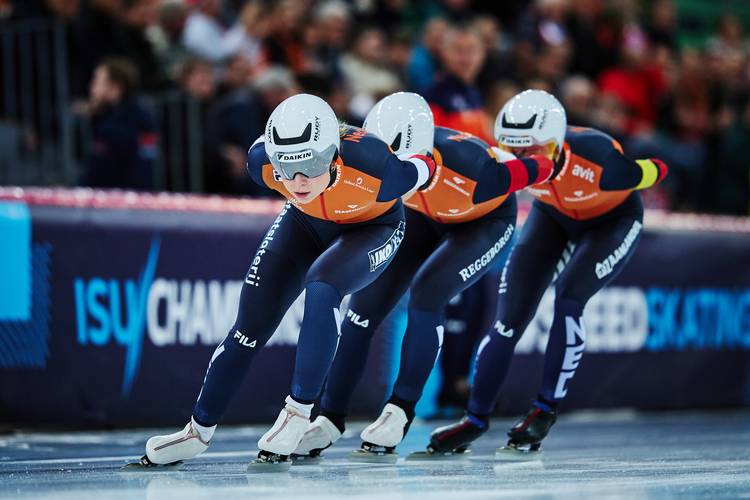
(108, 316)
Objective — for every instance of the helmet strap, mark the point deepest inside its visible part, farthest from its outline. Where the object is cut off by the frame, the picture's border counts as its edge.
(559, 163)
(333, 170)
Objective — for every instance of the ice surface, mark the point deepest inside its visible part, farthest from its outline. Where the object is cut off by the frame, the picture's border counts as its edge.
(588, 455)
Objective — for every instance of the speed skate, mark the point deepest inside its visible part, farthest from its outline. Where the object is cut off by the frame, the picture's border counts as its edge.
(320, 435)
(519, 453)
(434, 455)
(280, 441)
(380, 438)
(145, 464)
(170, 450)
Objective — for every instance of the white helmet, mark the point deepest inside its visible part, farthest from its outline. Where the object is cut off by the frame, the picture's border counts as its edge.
(531, 118)
(302, 136)
(404, 121)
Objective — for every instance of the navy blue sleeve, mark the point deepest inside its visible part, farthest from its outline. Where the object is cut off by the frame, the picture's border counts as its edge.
(370, 155)
(493, 181)
(256, 158)
(619, 173)
(399, 177)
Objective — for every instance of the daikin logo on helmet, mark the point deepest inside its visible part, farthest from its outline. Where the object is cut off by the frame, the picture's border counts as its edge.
(516, 142)
(295, 157)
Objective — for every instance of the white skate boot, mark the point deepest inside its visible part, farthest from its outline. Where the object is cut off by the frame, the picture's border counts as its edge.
(171, 449)
(282, 438)
(321, 434)
(380, 438)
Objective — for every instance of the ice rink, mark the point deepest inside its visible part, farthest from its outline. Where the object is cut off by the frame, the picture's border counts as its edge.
(592, 455)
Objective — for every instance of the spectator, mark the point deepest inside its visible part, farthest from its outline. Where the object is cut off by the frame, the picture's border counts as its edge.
(552, 64)
(233, 123)
(399, 54)
(324, 40)
(497, 63)
(366, 71)
(425, 55)
(205, 35)
(656, 98)
(455, 99)
(134, 19)
(636, 82)
(544, 23)
(246, 36)
(729, 35)
(197, 79)
(123, 139)
(578, 95)
(166, 38)
(733, 190)
(185, 130)
(662, 25)
(284, 43)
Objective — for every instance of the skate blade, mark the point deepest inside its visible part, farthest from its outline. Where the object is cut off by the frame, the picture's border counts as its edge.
(426, 456)
(298, 460)
(372, 457)
(509, 454)
(144, 464)
(259, 466)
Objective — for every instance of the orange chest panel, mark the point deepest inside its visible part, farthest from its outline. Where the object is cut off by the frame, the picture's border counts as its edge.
(575, 192)
(448, 199)
(352, 197)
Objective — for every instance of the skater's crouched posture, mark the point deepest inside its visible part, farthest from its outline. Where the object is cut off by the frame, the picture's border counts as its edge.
(457, 228)
(587, 219)
(340, 230)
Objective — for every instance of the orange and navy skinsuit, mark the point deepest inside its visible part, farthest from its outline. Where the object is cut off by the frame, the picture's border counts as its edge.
(334, 245)
(367, 182)
(596, 177)
(457, 227)
(584, 226)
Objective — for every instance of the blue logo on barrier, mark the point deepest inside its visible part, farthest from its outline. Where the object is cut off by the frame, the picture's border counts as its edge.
(15, 262)
(117, 309)
(24, 291)
(700, 319)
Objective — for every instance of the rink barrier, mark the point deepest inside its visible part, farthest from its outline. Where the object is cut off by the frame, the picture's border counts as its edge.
(111, 304)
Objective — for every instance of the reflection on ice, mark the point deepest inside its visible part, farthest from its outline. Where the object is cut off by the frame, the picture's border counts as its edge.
(591, 455)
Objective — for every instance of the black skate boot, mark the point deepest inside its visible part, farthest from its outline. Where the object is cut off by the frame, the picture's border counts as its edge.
(527, 434)
(453, 441)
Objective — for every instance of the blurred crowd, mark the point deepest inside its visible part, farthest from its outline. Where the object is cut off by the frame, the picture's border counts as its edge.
(617, 65)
